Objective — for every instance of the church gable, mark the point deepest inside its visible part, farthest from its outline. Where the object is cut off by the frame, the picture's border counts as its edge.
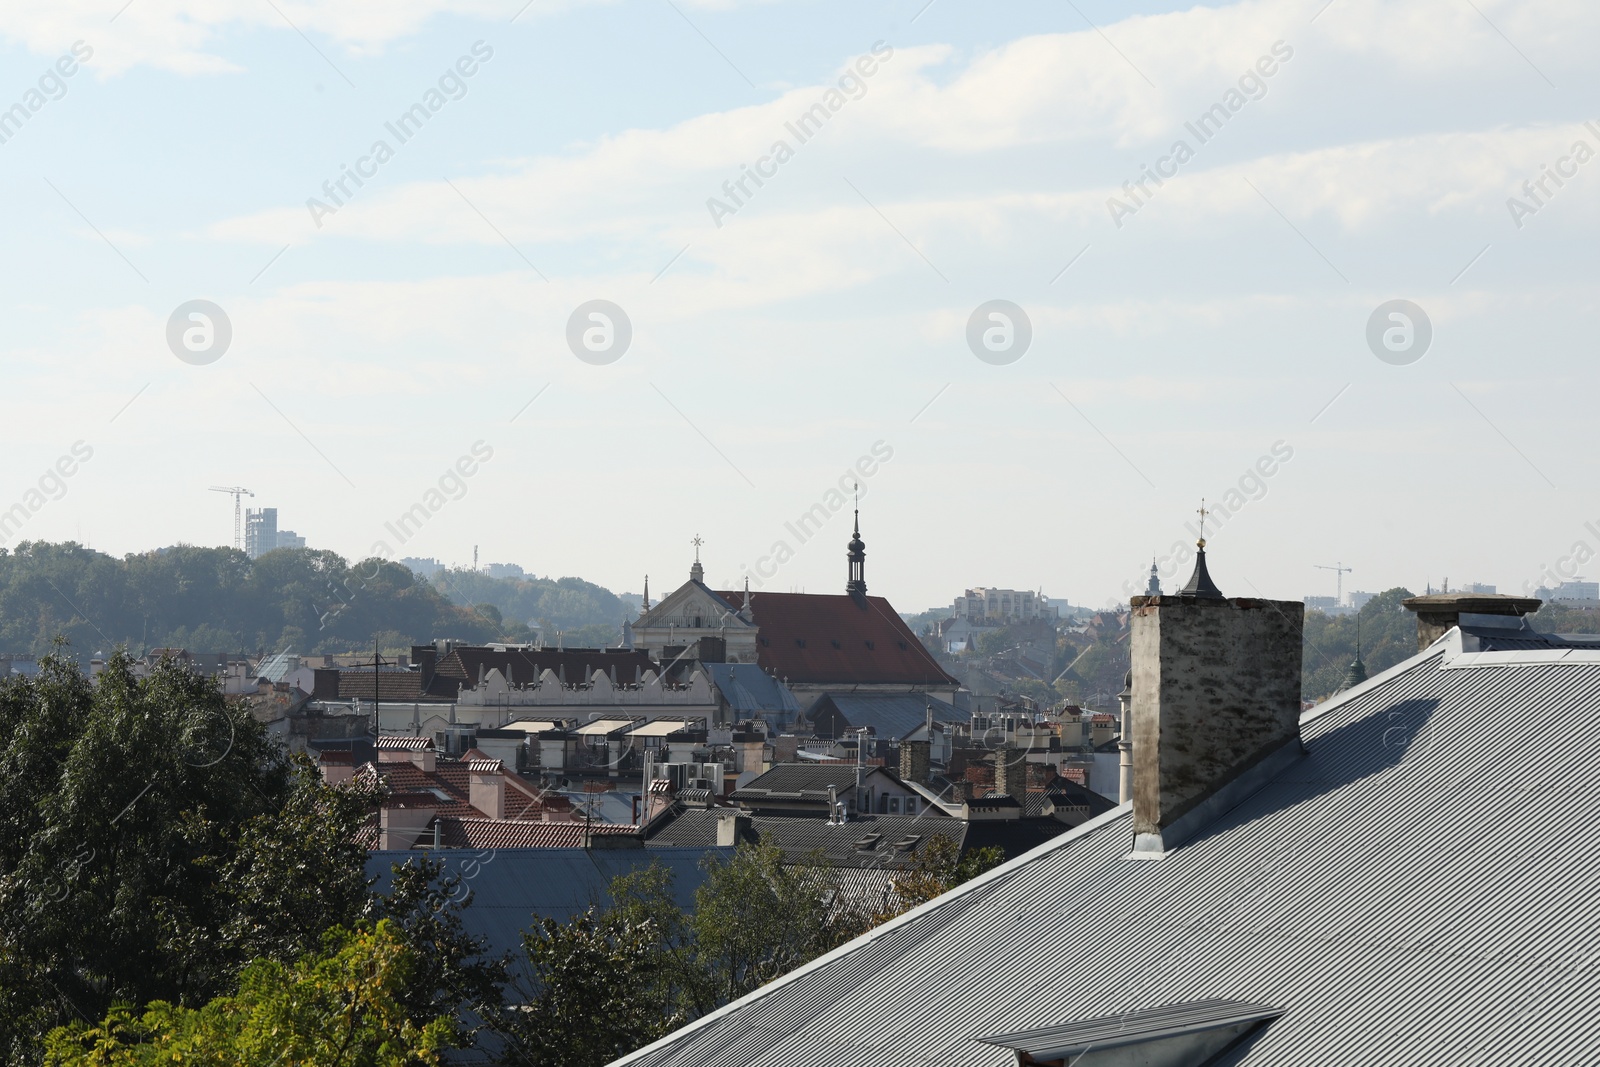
(692, 606)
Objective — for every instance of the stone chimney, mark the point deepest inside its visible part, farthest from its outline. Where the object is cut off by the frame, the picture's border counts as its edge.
(488, 787)
(731, 828)
(1437, 613)
(1215, 704)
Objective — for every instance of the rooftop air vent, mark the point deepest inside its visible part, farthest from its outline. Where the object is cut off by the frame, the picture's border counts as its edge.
(1178, 1035)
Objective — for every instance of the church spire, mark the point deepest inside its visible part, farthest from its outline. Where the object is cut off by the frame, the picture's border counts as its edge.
(1153, 587)
(857, 555)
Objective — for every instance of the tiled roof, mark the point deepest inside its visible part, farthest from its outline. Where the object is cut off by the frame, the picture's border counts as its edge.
(394, 683)
(1396, 892)
(463, 666)
(825, 639)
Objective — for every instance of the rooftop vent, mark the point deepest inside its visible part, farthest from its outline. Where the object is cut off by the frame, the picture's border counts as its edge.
(1179, 1035)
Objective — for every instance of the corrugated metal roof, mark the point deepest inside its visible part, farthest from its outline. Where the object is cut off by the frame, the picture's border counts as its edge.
(1399, 892)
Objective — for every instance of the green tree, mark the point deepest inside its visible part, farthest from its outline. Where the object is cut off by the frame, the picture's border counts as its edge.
(153, 841)
(938, 868)
(341, 1006)
(451, 975)
(591, 999)
(757, 918)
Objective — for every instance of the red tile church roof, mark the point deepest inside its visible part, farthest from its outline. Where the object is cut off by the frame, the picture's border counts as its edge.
(819, 638)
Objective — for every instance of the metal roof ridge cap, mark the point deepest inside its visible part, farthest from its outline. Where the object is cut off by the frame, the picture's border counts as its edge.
(1079, 831)
(1529, 656)
(1343, 697)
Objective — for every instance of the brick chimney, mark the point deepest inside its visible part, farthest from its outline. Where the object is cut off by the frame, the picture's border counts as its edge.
(914, 761)
(1215, 704)
(487, 792)
(1437, 613)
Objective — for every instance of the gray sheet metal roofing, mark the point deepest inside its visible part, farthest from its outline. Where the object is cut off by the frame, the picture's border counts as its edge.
(512, 886)
(1406, 893)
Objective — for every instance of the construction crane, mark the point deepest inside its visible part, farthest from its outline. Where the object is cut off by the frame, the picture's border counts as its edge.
(237, 491)
(1339, 570)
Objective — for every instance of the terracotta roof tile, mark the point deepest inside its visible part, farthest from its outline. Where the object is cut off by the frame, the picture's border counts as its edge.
(822, 638)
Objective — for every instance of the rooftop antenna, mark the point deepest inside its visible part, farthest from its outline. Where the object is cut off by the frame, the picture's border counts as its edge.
(237, 491)
(1339, 570)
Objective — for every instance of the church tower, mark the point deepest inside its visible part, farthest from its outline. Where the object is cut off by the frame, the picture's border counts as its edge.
(857, 554)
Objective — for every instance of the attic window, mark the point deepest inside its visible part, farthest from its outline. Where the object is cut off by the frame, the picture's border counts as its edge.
(1192, 1034)
(903, 646)
(868, 843)
(907, 843)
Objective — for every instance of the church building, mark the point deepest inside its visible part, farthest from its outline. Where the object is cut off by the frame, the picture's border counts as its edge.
(814, 642)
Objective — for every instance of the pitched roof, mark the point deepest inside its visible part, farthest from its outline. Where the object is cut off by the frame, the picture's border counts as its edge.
(1392, 907)
(511, 833)
(888, 714)
(794, 781)
(464, 664)
(828, 639)
(749, 690)
(394, 683)
(509, 888)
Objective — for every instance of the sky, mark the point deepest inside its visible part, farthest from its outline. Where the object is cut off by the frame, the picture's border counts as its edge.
(1038, 277)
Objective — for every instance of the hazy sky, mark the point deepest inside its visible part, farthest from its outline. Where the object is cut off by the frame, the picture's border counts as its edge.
(1357, 152)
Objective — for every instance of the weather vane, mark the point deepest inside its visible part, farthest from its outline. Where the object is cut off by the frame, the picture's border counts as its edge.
(1203, 513)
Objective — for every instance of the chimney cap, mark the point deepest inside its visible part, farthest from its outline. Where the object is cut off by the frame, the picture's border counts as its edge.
(1472, 604)
(1200, 586)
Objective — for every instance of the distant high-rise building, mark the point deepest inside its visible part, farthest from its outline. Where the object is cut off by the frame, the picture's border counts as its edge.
(260, 531)
(425, 567)
(504, 570)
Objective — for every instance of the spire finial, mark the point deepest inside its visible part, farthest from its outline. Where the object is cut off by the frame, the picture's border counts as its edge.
(1203, 513)
(697, 541)
(697, 573)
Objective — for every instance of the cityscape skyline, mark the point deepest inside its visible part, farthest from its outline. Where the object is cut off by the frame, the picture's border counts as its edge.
(778, 291)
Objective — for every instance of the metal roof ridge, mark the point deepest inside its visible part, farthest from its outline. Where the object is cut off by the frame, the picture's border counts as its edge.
(1530, 656)
(1405, 666)
(915, 914)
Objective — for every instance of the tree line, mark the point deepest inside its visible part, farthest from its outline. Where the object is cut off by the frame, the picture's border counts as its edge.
(174, 888)
(291, 599)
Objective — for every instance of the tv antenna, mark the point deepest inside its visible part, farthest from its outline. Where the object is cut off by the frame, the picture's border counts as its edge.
(237, 491)
(1340, 570)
